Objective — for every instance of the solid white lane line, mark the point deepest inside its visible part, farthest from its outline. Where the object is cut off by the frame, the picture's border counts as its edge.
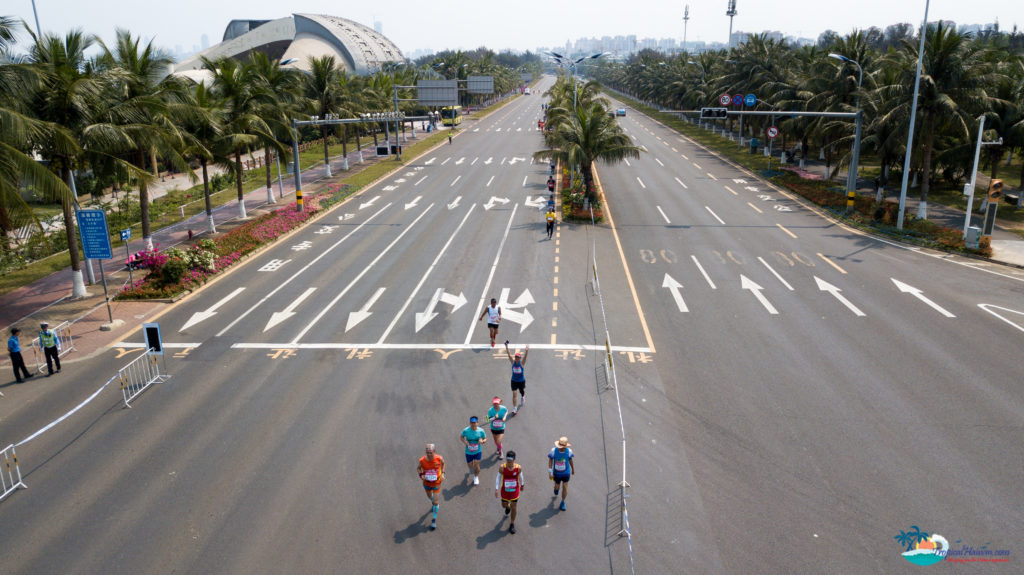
(304, 268)
(707, 278)
(663, 215)
(415, 290)
(490, 276)
(355, 280)
(776, 274)
(714, 214)
(419, 346)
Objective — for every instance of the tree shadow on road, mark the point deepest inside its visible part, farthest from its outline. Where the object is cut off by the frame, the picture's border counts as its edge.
(414, 529)
(492, 535)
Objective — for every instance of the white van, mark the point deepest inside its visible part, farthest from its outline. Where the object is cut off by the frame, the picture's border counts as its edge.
(526, 91)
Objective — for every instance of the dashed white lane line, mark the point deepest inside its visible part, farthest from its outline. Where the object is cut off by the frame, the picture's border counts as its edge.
(714, 214)
(667, 221)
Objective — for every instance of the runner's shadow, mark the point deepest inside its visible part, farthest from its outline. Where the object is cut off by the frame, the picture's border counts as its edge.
(540, 518)
(459, 490)
(412, 530)
(492, 535)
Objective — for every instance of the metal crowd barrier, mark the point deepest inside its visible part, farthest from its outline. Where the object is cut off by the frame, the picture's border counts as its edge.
(65, 343)
(10, 475)
(139, 374)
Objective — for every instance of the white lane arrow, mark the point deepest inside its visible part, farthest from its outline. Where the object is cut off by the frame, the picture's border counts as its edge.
(673, 287)
(490, 202)
(456, 301)
(455, 203)
(508, 312)
(489, 160)
(515, 159)
(413, 203)
(538, 202)
(749, 284)
(428, 162)
(279, 316)
(369, 203)
(355, 317)
(346, 216)
(212, 311)
(825, 286)
(460, 160)
(917, 293)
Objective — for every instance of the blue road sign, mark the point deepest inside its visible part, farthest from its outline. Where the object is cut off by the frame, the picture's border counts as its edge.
(737, 99)
(750, 100)
(126, 234)
(92, 228)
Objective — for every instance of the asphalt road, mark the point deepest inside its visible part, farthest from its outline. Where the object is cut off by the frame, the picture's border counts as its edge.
(786, 407)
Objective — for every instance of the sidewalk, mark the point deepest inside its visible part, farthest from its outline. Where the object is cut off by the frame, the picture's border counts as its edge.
(48, 299)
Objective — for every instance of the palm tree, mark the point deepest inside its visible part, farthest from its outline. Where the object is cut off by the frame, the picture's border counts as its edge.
(203, 124)
(323, 91)
(243, 127)
(277, 88)
(904, 538)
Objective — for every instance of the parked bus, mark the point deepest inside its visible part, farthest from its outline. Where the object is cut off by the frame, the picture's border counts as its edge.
(451, 115)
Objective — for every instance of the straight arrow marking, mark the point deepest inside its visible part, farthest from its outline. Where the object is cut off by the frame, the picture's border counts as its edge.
(673, 288)
(749, 284)
(355, 317)
(279, 316)
(917, 293)
(825, 286)
(211, 311)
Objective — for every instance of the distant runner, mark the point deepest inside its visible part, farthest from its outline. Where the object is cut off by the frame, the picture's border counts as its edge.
(508, 484)
(518, 376)
(493, 313)
(549, 217)
(497, 415)
(561, 467)
(431, 471)
(472, 437)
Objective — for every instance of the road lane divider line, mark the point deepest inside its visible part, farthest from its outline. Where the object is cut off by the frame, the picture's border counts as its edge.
(685, 187)
(494, 267)
(712, 176)
(707, 278)
(731, 190)
(641, 182)
(355, 280)
(757, 209)
(457, 178)
(791, 234)
(301, 270)
(710, 211)
(775, 273)
(659, 162)
(696, 165)
(667, 221)
(831, 263)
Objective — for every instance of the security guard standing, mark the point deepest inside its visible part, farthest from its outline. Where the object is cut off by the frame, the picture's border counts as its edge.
(51, 347)
(18, 362)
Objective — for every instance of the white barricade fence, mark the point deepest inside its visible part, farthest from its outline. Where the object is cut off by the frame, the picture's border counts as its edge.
(10, 474)
(65, 343)
(139, 374)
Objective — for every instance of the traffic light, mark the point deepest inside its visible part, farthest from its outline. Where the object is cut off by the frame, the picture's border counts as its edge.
(995, 191)
(712, 113)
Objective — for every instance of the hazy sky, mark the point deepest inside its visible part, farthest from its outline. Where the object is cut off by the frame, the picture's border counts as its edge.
(519, 24)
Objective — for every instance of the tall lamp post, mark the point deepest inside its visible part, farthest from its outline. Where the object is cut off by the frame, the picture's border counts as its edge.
(562, 60)
(851, 178)
(913, 116)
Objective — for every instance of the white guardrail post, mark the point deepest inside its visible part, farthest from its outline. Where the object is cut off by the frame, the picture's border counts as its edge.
(139, 374)
(10, 475)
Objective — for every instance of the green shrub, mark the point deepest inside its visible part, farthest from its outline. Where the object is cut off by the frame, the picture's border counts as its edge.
(172, 271)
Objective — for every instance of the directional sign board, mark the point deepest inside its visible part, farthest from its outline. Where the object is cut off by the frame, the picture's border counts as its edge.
(706, 113)
(773, 131)
(126, 234)
(724, 99)
(750, 101)
(480, 85)
(92, 227)
(437, 92)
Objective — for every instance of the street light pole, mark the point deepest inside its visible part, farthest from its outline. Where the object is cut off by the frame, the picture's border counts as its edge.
(851, 177)
(913, 116)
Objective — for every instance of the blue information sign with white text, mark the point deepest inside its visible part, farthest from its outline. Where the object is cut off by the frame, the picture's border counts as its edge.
(92, 227)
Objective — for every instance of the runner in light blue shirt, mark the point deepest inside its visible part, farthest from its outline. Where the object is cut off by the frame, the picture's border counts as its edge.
(472, 437)
(497, 415)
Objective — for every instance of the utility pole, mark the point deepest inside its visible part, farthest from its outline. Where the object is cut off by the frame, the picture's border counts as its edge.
(686, 22)
(730, 12)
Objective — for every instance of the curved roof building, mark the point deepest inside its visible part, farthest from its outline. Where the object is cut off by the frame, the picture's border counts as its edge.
(294, 39)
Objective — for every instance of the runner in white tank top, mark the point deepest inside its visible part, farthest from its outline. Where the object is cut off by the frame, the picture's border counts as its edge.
(493, 313)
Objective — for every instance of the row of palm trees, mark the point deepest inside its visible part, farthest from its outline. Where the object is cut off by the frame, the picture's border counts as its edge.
(963, 76)
(119, 116)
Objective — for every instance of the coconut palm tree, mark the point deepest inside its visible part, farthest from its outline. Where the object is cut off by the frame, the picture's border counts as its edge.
(278, 95)
(323, 91)
(203, 127)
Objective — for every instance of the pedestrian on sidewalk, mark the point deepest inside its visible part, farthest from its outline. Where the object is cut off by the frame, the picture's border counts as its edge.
(51, 347)
(17, 362)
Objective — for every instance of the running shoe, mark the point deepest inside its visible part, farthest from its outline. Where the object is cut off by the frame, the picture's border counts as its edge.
(512, 529)
(562, 506)
(433, 524)
(476, 480)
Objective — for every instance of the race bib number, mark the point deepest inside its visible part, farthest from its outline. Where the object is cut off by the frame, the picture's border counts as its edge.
(498, 424)
(511, 484)
(560, 465)
(430, 475)
(474, 447)
(518, 370)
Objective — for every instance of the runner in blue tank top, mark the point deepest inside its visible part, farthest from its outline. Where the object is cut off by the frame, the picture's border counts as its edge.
(518, 376)
(496, 415)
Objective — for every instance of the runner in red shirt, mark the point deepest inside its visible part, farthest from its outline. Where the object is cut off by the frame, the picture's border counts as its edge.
(508, 484)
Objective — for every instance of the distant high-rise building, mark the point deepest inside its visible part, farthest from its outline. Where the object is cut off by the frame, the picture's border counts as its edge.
(204, 41)
(378, 26)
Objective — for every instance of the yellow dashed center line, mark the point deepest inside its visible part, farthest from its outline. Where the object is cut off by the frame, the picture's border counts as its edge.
(696, 165)
(755, 207)
(832, 263)
(731, 190)
(684, 156)
(712, 176)
(791, 234)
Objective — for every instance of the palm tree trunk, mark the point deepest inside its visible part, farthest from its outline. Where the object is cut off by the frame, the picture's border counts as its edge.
(206, 195)
(344, 145)
(927, 147)
(995, 157)
(359, 146)
(147, 239)
(77, 282)
(238, 183)
(270, 182)
(327, 159)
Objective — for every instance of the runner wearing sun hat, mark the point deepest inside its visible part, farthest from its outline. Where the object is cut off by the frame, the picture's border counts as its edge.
(561, 467)
(497, 415)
